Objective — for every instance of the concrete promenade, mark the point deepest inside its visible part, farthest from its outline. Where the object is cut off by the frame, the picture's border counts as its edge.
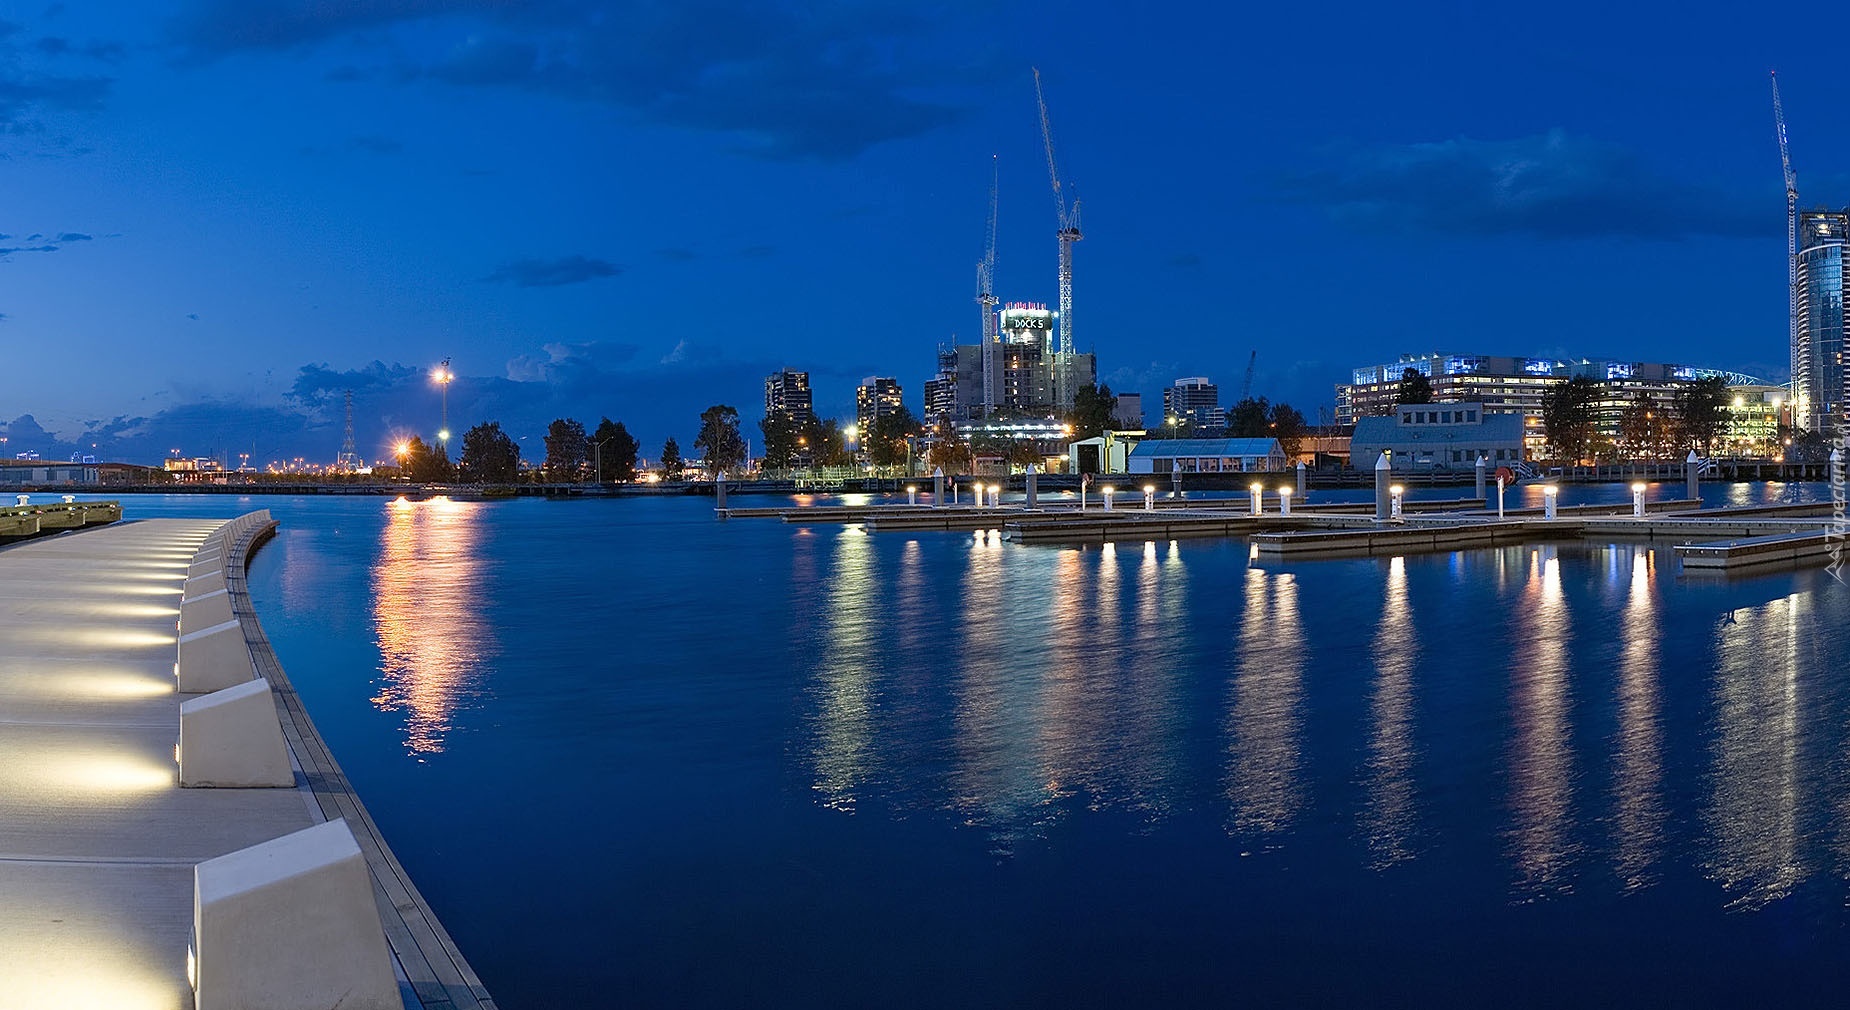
(98, 842)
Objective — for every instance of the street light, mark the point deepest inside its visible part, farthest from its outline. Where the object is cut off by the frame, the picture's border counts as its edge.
(598, 452)
(442, 376)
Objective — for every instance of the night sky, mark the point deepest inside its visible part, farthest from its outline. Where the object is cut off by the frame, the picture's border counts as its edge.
(221, 214)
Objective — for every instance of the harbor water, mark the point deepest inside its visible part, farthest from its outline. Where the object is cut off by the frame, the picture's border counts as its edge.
(635, 756)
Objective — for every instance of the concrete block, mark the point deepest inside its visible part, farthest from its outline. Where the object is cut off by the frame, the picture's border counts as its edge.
(212, 659)
(202, 584)
(204, 611)
(205, 566)
(291, 925)
(232, 739)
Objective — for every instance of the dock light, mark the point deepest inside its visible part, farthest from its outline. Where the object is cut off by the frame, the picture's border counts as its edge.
(1107, 491)
(1284, 500)
(1255, 490)
(1548, 501)
(1394, 497)
(912, 494)
(1638, 500)
(1149, 497)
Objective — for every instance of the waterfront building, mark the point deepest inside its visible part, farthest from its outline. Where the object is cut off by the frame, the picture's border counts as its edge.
(1754, 417)
(1207, 455)
(1196, 401)
(1023, 375)
(876, 397)
(941, 391)
(1509, 385)
(1129, 411)
(788, 391)
(24, 473)
(1437, 437)
(1818, 363)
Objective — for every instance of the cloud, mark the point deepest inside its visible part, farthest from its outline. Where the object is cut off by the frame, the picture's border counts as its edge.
(1552, 186)
(792, 79)
(27, 249)
(192, 315)
(73, 236)
(552, 273)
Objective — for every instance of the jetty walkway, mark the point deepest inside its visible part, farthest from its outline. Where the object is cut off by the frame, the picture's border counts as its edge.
(124, 889)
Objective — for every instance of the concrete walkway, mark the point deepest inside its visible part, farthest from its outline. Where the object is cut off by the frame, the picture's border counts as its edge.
(97, 839)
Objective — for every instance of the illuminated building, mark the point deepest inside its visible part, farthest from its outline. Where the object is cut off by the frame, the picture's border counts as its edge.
(788, 391)
(1024, 376)
(1195, 401)
(875, 398)
(1818, 363)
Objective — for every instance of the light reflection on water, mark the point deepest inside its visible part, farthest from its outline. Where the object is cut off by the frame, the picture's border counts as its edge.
(1388, 815)
(1263, 719)
(846, 671)
(1638, 806)
(1542, 844)
(435, 643)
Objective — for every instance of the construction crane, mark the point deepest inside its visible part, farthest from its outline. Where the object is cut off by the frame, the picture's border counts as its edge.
(1800, 402)
(1246, 388)
(1068, 217)
(986, 297)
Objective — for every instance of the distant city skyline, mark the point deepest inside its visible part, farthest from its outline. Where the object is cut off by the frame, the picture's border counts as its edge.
(225, 215)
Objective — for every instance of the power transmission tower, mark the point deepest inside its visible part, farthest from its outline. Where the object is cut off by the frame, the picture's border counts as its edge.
(350, 461)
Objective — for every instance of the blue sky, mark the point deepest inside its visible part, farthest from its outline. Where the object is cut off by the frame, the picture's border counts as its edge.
(223, 213)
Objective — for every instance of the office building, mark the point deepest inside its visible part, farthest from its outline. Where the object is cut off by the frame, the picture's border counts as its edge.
(1128, 414)
(875, 398)
(1430, 437)
(1818, 361)
(1193, 404)
(788, 391)
(1022, 375)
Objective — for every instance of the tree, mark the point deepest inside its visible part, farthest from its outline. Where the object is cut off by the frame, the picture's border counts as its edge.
(1567, 417)
(1414, 387)
(489, 456)
(827, 445)
(950, 453)
(1250, 418)
(1023, 451)
(671, 459)
(565, 450)
(886, 443)
(425, 464)
(1644, 428)
(783, 439)
(1287, 425)
(1701, 409)
(719, 440)
(613, 451)
(1093, 413)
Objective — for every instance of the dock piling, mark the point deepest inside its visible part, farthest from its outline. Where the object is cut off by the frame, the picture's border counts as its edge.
(1257, 490)
(1691, 479)
(1383, 473)
(937, 487)
(1480, 480)
(1032, 484)
(1549, 494)
(1303, 481)
(1284, 500)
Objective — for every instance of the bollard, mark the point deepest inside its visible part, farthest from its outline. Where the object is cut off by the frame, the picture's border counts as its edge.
(912, 494)
(1303, 481)
(1106, 492)
(1149, 497)
(1691, 480)
(937, 486)
(1638, 500)
(1499, 497)
(1395, 493)
(1254, 492)
(1175, 481)
(1382, 474)
(69, 498)
(719, 492)
(1284, 500)
(1481, 459)
(1548, 501)
(23, 498)
(1032, 484)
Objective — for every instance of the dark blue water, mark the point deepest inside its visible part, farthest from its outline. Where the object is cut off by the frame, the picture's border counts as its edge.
(633, 755)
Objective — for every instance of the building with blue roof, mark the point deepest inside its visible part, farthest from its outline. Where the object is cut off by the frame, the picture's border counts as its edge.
(1207, 455)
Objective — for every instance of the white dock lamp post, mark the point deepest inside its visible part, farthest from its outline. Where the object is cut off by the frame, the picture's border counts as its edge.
(912, 494)
(1106, 492)
(995, 495)
(1638, 500)
(1284, 500)
(1548, 501)
(1149, 497)
(1394, 499)
(1254, 492)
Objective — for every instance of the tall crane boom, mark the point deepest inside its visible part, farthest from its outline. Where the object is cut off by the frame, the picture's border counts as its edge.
(1068, 217)
(1801, 362)
(986, 296)
(1246, 387)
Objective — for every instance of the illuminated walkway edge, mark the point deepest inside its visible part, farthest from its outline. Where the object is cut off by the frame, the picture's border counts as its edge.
(439, 975)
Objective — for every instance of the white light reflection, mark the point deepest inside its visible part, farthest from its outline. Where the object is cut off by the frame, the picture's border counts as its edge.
(1638, 806)
(1263, 719)
(1542, 847)
(1388, 815)
(428, 604)
(1754, 813)
(851, 614)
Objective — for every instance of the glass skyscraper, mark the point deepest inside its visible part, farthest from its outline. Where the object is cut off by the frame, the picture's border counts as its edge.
(1818, 344)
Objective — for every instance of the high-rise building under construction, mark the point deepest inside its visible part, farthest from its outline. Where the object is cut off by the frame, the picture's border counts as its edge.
(1818, 361)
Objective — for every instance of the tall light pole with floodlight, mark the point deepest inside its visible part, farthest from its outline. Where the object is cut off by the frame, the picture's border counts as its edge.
(442, 376)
